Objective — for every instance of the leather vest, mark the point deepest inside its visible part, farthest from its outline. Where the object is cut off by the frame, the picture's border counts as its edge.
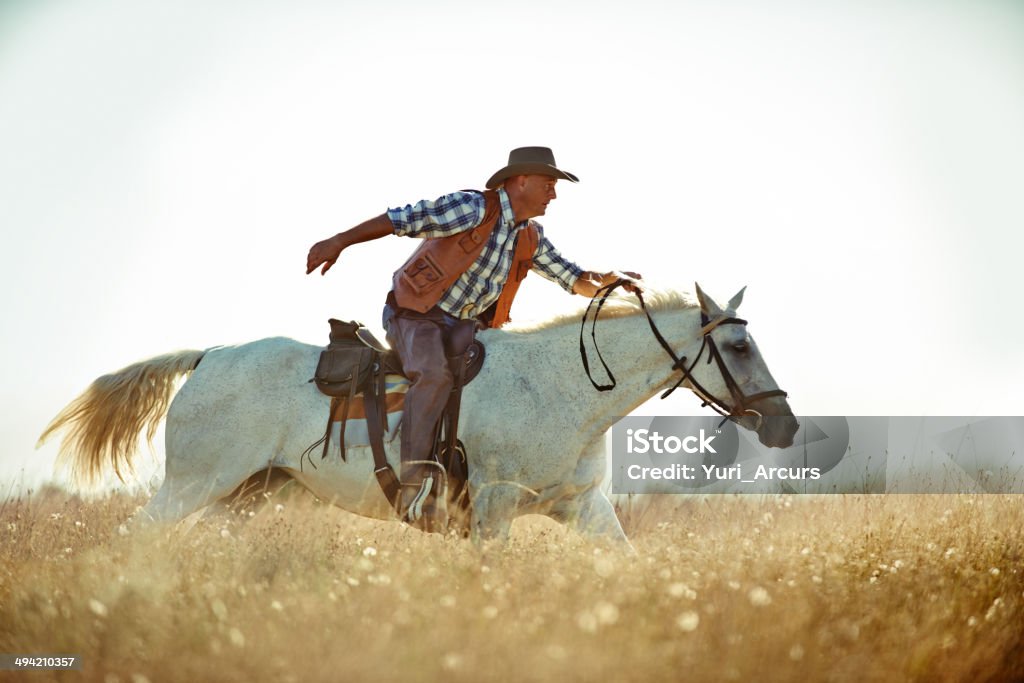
(437, 263)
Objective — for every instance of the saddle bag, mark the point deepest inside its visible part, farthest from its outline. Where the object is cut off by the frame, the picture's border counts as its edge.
(350, 365)
(346, 366)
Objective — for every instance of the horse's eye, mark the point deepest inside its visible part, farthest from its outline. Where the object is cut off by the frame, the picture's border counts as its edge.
(740, 347)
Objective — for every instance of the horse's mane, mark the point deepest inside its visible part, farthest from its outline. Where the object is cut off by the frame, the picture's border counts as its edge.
(620, 304)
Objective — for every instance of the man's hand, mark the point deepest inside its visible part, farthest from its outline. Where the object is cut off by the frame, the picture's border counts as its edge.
(324, 253)
(590, 282)
(633, 286)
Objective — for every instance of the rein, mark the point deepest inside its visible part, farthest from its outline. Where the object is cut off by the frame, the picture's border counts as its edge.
(741, 402)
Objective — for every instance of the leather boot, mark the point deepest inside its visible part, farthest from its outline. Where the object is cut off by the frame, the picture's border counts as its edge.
(422, 502)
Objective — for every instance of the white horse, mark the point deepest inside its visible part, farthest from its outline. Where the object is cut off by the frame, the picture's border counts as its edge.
(532, 423)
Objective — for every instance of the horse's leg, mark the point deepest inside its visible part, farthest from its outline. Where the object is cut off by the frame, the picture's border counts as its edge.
(172, 504)
(252, 495)
(178, 499)
(593, 516)
(494, 507)
(191, 483)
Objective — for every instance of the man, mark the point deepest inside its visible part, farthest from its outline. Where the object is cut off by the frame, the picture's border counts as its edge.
(477, 249)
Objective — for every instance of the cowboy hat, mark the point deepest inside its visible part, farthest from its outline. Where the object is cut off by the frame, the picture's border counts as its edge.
(530, 161)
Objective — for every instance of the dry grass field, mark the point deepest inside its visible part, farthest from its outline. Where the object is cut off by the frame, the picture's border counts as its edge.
(839, 588)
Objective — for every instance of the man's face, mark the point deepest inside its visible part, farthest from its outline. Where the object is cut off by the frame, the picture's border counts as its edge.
(538, 190)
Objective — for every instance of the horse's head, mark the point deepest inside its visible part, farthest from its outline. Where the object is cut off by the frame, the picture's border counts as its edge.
(734, 377)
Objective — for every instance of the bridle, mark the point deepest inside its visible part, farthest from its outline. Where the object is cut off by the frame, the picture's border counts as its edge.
(741, 402)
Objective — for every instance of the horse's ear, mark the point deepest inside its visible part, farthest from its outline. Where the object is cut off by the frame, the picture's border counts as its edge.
(735, 302)
(707, 304)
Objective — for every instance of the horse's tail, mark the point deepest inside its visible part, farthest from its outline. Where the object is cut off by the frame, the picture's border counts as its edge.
(103, 424)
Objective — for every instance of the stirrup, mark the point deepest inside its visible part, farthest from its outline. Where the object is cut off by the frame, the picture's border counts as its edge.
(423, 505)
(414, 510)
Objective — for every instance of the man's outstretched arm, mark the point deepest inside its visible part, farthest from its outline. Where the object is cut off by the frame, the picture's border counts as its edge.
(326, 252)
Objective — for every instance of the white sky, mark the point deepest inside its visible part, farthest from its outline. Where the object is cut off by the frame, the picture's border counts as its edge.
(164, 168)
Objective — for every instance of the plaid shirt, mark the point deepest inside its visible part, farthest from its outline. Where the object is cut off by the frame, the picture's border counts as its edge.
(481, 284)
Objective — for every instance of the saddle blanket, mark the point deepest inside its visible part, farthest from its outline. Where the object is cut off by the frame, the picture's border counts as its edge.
(356, 431)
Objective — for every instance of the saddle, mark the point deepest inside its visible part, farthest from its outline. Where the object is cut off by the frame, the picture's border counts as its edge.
(355, 364)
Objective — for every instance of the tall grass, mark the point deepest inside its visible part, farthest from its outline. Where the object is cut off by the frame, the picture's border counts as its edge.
(893, 588)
